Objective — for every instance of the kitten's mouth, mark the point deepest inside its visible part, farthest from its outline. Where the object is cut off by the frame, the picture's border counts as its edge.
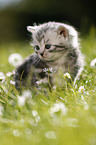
(44, 57)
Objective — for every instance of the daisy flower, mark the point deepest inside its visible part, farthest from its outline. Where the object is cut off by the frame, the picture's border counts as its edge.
(93, 62)
(2, 77)
(15, 59)
(81, 89)
(67, 75)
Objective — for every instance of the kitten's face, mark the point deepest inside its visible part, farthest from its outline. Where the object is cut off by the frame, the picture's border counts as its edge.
(50, 40)
(48, 44)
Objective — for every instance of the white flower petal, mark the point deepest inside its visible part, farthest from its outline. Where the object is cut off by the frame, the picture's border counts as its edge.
(2, 76)
(93, 62)
(15, 59)
(81, 89)
(67, 75)
(21, 100)
(58, 107)
(71, 122)
(86, 106)
(1, 109)
(12, 82)
(54, 87)
(50, 135)
(8, 74)
(34, 112)
(16, 133)
(38, 119)
(49, 70)
(27, 94)
(39, 82)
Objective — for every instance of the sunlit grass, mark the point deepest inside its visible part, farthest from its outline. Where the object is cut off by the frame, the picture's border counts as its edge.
(63, 116)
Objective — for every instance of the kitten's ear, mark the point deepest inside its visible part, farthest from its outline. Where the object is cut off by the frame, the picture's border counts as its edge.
(61, 30)
(31, 28)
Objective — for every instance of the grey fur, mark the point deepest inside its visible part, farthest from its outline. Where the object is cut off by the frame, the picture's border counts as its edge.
(62, 53)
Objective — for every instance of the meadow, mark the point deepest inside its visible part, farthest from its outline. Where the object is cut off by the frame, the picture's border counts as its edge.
(65, 116)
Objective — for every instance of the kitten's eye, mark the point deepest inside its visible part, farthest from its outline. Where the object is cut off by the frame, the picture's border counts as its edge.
(47, 46)
(37, 47)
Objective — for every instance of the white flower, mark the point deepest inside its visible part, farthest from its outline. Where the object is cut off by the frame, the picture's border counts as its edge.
(54, 87)
(12, 82)
(27, 94)
(86, 106)
(39, 82)
(16, 133)
(58, 107)
(21, 99)
(67, 75)
(8, 74)
(38, 119)
(93, 62)
(71, 122)
(50, 134)
(2, 77)
(1, 109)
(35, 113)
(81, 89)
(15, 59)
(49, 70)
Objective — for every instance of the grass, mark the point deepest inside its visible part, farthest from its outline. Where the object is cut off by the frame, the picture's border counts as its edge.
(63, 117)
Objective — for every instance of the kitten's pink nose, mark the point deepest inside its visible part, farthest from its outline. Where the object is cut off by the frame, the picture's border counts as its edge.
(42, 54)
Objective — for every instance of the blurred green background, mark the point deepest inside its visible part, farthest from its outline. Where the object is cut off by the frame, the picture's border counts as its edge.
(15, 15)
(18, 125)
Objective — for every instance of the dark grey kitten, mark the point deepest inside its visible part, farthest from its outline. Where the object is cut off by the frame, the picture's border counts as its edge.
(56, 49)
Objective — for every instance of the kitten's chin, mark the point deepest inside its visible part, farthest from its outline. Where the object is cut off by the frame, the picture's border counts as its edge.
(45, 57)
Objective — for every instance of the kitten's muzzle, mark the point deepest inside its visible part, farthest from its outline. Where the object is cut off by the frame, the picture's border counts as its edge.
(42, 54)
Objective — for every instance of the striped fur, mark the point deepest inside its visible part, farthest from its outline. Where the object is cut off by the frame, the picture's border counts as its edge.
(56, 46)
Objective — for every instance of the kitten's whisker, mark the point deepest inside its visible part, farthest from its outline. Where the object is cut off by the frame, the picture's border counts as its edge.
(38, 59)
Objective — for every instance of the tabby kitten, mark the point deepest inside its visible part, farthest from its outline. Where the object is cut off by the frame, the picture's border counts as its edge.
(56, 49)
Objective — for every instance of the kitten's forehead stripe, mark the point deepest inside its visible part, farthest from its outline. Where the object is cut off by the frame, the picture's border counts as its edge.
(40, 33)
(47, 41)
(45, 29)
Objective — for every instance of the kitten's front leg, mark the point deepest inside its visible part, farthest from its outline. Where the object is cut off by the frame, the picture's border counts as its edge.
(23, 71)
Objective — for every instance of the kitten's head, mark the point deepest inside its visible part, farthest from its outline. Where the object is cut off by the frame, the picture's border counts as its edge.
(52, 39)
